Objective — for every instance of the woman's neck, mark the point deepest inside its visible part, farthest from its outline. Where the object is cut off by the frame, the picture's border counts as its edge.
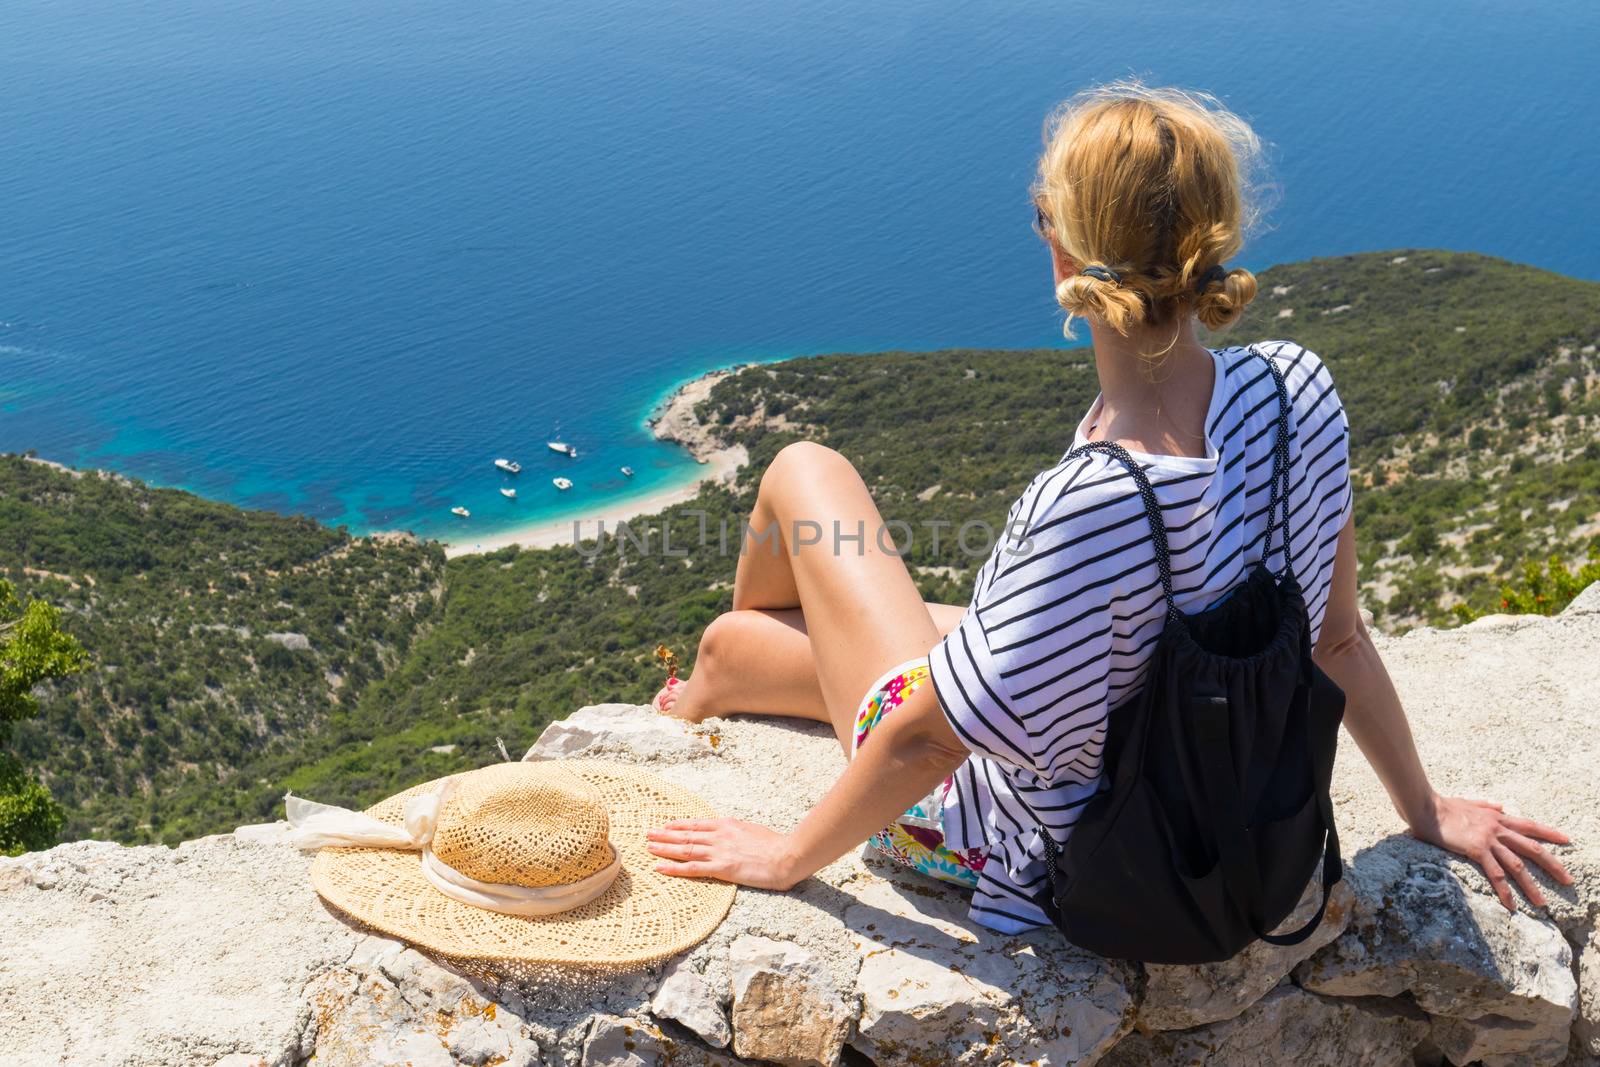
(1164, 416)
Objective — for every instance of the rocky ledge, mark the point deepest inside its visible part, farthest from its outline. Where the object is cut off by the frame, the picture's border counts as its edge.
(217, 952)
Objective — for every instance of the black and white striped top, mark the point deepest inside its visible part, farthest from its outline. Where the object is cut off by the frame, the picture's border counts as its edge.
(1066, 612)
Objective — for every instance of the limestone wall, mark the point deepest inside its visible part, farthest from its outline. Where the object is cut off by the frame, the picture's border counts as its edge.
(219, 953)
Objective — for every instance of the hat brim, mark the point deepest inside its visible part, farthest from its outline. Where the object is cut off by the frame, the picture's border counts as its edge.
(644, 917)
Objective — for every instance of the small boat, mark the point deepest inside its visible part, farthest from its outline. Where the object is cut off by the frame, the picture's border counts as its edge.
(508, 493)
(627, 472)
(461, 511)
(561, 483)
(562, 447)
(510, 466)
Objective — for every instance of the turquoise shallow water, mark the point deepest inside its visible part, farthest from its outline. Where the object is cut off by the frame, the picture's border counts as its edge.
(334, 258)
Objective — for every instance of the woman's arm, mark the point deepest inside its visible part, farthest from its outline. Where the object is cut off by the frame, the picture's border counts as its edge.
(1476, 829)
(915, 749)
(907, 754)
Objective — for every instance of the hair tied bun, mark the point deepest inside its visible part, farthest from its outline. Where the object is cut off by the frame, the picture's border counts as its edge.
(1218, 274)
(1104, 274)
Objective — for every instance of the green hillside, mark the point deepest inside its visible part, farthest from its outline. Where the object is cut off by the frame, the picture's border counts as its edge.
(1471, 388)
(217, 635)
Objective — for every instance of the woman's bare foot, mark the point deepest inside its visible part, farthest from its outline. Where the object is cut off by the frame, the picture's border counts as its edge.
(668, 701)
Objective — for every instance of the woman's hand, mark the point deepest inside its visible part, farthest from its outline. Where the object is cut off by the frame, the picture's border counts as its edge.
(725, 849)
(911, 752)
(1499, 843)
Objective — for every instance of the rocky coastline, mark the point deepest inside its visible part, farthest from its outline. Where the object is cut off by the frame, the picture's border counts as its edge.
(673, 420)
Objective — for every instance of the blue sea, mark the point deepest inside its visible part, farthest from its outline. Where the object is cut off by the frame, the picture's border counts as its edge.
(335, 256)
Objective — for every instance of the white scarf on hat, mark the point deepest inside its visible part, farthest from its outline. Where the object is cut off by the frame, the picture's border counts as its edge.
(313, 826)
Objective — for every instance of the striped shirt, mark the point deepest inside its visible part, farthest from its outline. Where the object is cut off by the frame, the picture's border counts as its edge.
(1066, 612)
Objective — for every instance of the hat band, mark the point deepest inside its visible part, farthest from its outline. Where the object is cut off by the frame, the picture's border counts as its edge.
(517, 899)
(313, 825)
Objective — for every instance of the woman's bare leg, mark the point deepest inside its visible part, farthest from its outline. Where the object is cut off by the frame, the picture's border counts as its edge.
(754, 661)
(759, 662)
(822, 554)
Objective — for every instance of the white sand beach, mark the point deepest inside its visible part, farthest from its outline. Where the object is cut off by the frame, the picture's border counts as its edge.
(673, 421)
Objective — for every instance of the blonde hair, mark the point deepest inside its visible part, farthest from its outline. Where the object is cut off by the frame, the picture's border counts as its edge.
(1149, 191)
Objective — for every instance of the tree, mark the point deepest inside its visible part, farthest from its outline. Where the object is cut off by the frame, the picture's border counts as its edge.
(33, 649)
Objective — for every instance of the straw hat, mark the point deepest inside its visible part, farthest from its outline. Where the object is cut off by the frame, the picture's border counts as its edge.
(521, 865)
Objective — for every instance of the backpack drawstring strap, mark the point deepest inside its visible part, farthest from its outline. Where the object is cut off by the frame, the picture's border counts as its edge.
(1278, 503)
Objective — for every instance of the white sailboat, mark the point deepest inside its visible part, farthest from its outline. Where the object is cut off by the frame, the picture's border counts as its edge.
(562, 447)
(510, 466)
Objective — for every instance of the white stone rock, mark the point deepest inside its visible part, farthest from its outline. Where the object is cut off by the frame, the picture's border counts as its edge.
(686, 997)
(1587, 602)
(475, 1042)
(630, 1042)
(1499, 984)
(220, 948)
(361, 1018)
(293, 642)
(485, 1038)
(1495, 1041)
(937, 987)
(424, 984)
(1502, 622)
(1286, 1027)
(158, 955)
(609, 729)
(1587, 1029)
(785, 1007)
(264, 833)
(363, 1022)
(1178, 997)
(374, 952)
(614, 1042)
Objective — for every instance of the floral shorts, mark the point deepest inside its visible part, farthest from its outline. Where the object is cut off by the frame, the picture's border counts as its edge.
(915, 839)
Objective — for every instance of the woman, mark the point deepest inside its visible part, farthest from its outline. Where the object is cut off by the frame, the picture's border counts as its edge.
(980, 726)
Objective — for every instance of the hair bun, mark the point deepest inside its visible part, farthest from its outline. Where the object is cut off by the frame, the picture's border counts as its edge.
(1097, 292)
(1219, 308)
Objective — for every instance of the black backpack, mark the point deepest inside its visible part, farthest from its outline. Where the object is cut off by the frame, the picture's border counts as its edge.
(1218, 809)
